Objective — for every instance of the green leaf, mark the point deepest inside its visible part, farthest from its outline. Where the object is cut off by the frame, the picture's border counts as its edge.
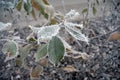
(11, 49)
(43, 13)
(24, 51)
(94, 10)
(27, 6)
(84, 10)
(47, 32)
(56, 50)
(42, 51)
(31, 39)
(19, 5)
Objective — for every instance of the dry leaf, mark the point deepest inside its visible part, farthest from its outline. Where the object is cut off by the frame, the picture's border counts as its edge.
(53, 21)
(35, 72)
(70, 68)
(85, 56)
(68, 50)
(78, 55)
(33, 14)
(36, 5)
(114, 36)
(43, 62)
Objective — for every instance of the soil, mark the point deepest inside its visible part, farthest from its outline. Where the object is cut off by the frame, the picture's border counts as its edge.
(103, 64)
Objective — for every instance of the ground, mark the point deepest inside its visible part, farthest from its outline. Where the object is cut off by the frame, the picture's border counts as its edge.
(103, 63)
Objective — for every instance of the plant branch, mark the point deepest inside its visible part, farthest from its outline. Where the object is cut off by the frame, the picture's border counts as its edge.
(105, 34)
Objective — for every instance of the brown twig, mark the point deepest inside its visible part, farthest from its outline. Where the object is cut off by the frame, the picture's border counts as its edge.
(105, 34)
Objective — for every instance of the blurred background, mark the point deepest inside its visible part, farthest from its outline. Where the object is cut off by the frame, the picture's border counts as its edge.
(104, 8)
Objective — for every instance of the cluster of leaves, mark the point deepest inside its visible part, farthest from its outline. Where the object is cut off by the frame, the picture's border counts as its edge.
(30, 6)
(55, 46)
(93, 6)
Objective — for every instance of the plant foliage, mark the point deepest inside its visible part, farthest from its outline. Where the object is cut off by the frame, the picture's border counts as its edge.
(4, 26)
(30, 6)
(41, 52)
(11, 49)
(56, 50)
(55, 47)
(50, 34)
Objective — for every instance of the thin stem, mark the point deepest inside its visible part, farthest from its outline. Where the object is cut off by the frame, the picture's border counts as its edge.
(63, 4)
(105, 34)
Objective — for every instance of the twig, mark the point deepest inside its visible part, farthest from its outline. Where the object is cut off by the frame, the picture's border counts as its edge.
(63, 3)
(107, 60)
(105, 34)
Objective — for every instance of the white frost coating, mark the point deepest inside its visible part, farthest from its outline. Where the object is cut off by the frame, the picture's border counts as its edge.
(13, 56)
(65, 43)
(77, 35)
(72, 14)
(73, 31)
(25, 1)
(34, 29)
(73, 25)
(4, 26)
(48, 32)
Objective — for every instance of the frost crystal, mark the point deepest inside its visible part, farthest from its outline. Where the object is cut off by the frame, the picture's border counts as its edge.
(45, 33)
(72, 14)
(77, 35)
(34, 29)
(4, 26)
(48, 32)
(73, 31)
(73, 25)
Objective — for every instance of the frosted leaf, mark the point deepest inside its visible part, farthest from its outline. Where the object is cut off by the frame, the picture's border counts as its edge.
(65, 43)
(47, 32)
(11, 49)
(34, 29)
(56, 50)
(72, 14)
(25, 1)
(77, 34)
(10, 5)
(41, 52)
(70, 68)
(4, 26)
(73, 25)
